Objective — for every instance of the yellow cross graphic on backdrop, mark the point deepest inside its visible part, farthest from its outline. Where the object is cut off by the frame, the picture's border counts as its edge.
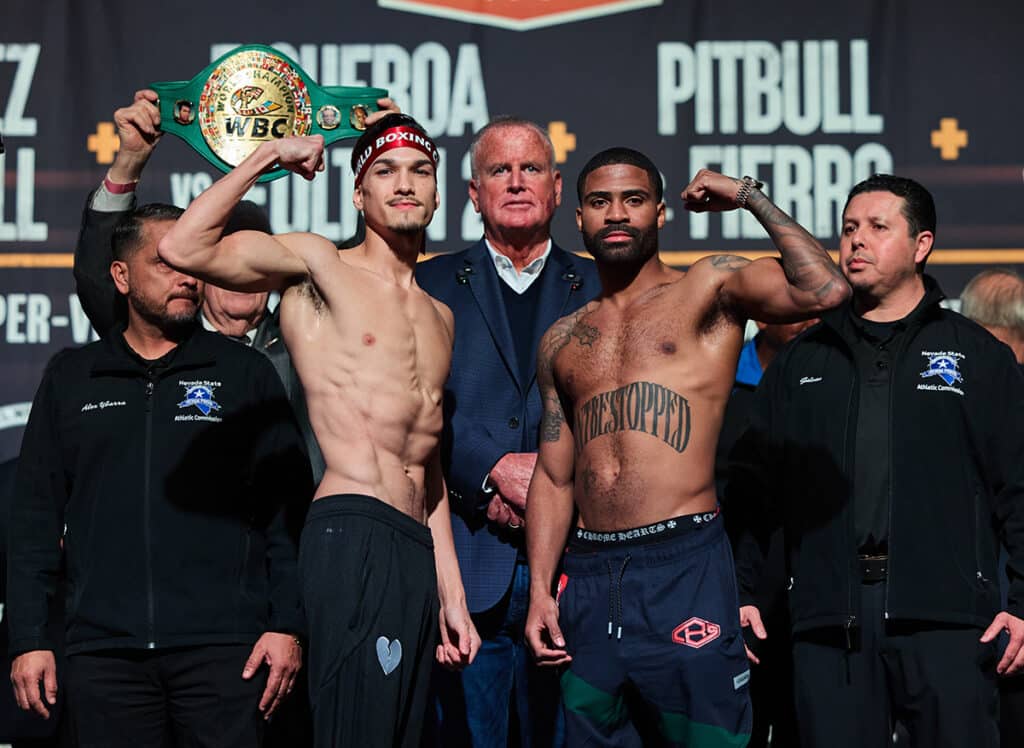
(104, 143)
(949, 138)
(563, 140)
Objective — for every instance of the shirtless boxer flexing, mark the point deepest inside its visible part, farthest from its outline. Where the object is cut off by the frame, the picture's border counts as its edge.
(372, 351)
(634, 387)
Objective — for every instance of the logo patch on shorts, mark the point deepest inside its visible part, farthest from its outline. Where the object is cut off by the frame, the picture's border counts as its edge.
(562, 582)
(389, 654)
(696, 632)
(741, 680)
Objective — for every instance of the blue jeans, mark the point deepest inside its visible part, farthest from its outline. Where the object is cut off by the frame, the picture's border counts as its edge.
(473, 708)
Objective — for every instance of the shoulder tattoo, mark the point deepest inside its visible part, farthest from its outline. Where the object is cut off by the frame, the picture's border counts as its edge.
(563, 331)
(729, 262)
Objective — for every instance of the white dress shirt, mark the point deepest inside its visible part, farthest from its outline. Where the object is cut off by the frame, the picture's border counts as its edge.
(518, 280)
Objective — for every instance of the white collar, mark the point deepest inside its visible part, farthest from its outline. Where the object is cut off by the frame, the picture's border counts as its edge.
(518, 280)
(250, 334)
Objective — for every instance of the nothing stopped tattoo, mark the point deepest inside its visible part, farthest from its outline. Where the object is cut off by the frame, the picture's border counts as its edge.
(646, 407)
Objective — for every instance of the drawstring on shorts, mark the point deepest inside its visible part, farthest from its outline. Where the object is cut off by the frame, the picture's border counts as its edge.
(615, 596)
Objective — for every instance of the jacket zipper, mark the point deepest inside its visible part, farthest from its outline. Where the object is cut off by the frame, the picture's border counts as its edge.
(851, 619)
(908, 336)
(892, 468)
(147, 517)
(976, 537)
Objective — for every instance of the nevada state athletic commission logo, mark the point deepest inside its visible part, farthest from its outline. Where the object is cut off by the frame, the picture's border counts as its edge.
(943, 365)
(518, 15)
(199, 395)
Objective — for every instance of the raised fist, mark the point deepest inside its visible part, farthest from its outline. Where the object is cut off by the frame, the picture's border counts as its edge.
(138, 125)
(302, 155)
(711, 191)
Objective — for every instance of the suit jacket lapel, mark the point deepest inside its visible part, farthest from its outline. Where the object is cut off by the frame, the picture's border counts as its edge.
(482, 278)
(559, 281)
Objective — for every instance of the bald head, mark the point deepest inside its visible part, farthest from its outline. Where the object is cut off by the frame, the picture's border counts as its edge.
(995, 300)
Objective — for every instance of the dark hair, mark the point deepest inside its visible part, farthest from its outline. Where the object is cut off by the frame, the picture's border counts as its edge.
(385, 123)
(127, 238)
(248, 216)
(918, 205)
(621, 155)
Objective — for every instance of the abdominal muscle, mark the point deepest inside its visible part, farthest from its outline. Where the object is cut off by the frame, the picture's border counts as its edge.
(629, 479)
(375, 423)
(377, 455)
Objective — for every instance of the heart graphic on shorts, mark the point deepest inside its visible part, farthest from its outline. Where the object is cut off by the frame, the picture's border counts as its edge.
(389, 654)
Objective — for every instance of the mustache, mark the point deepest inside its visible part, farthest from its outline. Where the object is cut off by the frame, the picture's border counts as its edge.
(187, 296)
(617, 228)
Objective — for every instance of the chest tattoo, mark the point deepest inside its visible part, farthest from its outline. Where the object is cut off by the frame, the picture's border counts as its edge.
(646, 407)
(585, 333)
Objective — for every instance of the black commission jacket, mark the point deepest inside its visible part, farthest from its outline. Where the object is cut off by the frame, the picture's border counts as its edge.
(956, 472)
(177, 496)
(108, 313)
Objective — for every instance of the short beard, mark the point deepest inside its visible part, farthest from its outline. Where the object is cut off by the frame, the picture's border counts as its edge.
(172, 325)
(643, 246)
(407, 225)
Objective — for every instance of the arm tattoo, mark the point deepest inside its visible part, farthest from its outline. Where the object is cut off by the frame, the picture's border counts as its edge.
(729, 262)
(554, 340)
(768, 212)
(552, 419)
(805, 262)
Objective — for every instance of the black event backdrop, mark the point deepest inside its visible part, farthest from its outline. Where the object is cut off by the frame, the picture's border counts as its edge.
(810, 97)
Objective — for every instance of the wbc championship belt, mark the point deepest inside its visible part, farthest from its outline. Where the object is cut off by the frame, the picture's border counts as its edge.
(253, 94)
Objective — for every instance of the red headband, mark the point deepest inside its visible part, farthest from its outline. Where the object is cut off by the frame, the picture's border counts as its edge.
(395, 137)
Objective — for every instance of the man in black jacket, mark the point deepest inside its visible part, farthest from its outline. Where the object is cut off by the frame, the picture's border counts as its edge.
(21, 729)
(887, 442)
(241, 316)
(157, 473)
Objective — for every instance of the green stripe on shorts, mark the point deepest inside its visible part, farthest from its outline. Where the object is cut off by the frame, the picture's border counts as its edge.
(603, 709)
(680, 729)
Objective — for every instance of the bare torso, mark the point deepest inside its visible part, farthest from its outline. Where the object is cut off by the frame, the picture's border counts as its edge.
(372, 357)
(646, 387)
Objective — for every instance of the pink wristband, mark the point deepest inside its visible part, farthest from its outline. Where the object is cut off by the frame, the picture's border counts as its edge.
(118, 189)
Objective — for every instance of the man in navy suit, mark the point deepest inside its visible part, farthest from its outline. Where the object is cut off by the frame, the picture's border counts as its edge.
(504, 291)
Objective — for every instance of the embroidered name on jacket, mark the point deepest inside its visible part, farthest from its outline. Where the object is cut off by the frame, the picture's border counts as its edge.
(102, 405)
(199, 394)
(944, 366)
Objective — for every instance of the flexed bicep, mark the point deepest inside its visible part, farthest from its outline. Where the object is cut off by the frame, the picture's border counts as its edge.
(244, 260)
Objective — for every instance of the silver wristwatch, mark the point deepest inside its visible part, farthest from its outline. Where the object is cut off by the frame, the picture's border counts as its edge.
(749, 185)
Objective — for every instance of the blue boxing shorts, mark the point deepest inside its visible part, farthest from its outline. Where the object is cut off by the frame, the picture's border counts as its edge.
(651, 619)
